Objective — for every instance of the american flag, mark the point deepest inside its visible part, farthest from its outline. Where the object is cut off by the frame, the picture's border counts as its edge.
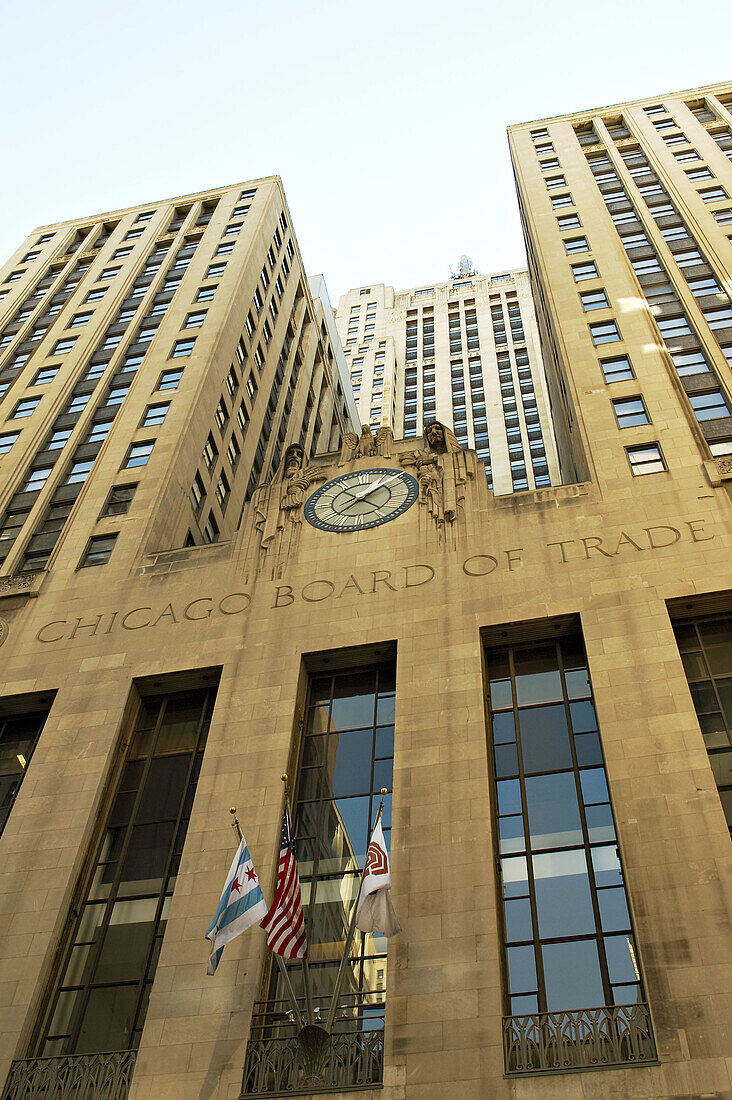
(284, 923)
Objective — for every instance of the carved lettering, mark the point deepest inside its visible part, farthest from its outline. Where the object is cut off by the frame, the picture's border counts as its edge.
(318, 599)
(244, 596)
(624, 540)
(511, 561)
(561, 545)
(47, 626)
(381, 576)
(207, 611)
(415, 584)
(351, 583)
(81, 625)
(657, 545)
(136, 626)
(696, 534)
(596, 545)
(111, 622)
(283, 596)
(479, 571)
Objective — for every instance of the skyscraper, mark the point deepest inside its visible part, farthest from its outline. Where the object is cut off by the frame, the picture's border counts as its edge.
(154, 363)
(465, 352)
(627, 213)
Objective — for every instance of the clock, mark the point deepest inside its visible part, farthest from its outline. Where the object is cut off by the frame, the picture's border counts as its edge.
(362, 499)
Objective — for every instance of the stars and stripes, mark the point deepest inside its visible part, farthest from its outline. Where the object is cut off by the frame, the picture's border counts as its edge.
(285, 923)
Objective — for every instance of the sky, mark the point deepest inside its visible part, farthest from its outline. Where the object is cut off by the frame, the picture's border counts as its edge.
(386, 120)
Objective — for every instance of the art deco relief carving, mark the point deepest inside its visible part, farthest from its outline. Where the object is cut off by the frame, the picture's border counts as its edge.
(4, 628)
(442, 469)
(277, 507)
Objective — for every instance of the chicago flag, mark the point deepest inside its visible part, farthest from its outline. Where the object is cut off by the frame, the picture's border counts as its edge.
(242, 904)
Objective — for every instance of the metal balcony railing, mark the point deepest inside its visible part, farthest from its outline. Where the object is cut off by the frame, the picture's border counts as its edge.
(588, 1038)
(281, 1061)
(71, 1077)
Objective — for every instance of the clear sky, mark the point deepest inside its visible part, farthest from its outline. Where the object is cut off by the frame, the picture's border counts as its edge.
(386, 120)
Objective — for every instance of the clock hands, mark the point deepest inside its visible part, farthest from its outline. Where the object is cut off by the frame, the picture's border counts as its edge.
(372, 488)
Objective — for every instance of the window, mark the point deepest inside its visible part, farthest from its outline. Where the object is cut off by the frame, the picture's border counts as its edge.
(79, 472)
(205, 294)
(549, 163)
(673, 326)
(630, 412)
(122, 254)
(116, 395)
(210, 452)
(645, 460)
(79, 402)
(14, 276)
(604, 332)
(25, 408)
(225, 249)
(708, 406)
(705, 646)
(713, 194)
(98, 552)
(215, 271)
(233, 451)
(7, 440)
(98, 432)
(240, 211)
(699, 174)
(568, 221)
(103, 1005)
(155, 414)
(723, 217)
(555, 181)
(138, 454)
(232, 382)
(197, 494)
(44, 375)
(37, 478)
(222, 491)
(210, 529)
(181, 348)
(617, 369)
(594, 299)
(109, 273)
(558, 201)
(576, 244)
(349, 717)
(19, 735)
(119, 500)
(584, 271)
(78, 320)
(61, 347)
(194, 320)
(568, 937)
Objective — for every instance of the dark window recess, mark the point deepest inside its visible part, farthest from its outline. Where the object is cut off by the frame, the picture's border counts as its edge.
(100, 999)
(119, 500)
(19, 733)
(568, 938)
(706, 651)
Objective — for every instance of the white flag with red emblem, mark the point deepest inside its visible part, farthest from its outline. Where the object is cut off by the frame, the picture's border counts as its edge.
(374, 911)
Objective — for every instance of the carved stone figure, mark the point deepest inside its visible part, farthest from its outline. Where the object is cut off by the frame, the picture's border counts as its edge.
(366, 446)
(441, 469)
(349, 442)
(384, 440)
(285, 496)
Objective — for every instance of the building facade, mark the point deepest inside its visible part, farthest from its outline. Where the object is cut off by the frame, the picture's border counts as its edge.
(465, 352)
(539, 682)
(176, 341)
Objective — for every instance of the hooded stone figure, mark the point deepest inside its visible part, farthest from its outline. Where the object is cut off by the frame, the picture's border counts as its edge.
(285, 495)
(442, 471)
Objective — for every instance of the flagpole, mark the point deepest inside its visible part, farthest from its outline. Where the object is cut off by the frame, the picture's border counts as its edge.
(283, 969)
(351, 931)
(305, 967)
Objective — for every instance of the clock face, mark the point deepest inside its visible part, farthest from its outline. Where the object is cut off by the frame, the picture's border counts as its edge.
(362, 499)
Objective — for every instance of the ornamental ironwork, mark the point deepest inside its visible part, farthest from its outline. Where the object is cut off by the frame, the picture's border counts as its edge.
(71, 1077)
(588, 1038)
(281, 1060)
